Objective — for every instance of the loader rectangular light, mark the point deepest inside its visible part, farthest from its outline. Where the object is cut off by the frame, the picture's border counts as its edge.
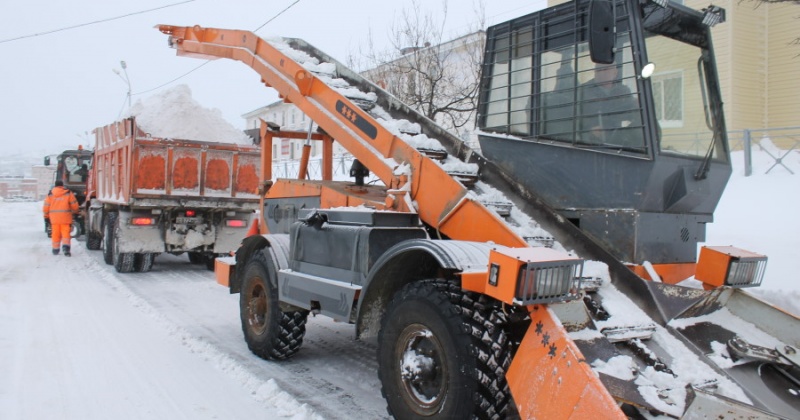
(549, 281)
(748, 272)
(730, 266)
(527, 276)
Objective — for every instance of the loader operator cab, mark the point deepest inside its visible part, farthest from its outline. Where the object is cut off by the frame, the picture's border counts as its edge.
(637, 159)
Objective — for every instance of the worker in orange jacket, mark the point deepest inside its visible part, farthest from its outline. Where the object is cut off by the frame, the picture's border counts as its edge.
(59, 206)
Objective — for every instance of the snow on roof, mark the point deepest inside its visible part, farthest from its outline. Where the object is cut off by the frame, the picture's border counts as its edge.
(173, 113)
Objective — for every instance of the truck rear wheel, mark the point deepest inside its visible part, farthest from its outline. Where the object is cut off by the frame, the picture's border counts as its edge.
(442, 354)
(94, 240)
(108, 237)
(269, 332)
(123, 261)
(143, 262)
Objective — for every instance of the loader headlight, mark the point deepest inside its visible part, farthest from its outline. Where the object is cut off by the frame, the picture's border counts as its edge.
(527, 275)
(746, 272)
(730, 266)
(550, 281)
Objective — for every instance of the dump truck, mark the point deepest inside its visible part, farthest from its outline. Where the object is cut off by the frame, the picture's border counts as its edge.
(552, 275)
(150, 195)
(72, 168)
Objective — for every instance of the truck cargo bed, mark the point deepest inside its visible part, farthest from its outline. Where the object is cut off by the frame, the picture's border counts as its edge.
(133, 168)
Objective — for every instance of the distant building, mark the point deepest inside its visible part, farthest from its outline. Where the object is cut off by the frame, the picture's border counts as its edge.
(44, 176)
(18, 187)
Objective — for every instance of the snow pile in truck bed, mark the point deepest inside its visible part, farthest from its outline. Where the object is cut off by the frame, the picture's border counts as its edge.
(174, 114)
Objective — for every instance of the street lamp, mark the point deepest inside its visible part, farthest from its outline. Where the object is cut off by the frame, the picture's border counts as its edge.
(124, 79)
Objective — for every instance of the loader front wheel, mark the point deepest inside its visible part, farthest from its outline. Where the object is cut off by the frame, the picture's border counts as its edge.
(270, 333)
(441, 356)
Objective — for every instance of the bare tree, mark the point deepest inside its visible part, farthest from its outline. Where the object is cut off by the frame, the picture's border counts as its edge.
(437, 77)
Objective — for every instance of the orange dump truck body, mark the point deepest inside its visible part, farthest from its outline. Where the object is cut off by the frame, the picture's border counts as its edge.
(130, 165)
(151, 195)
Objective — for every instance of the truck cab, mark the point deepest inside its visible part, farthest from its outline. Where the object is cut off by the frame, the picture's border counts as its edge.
(73, 167)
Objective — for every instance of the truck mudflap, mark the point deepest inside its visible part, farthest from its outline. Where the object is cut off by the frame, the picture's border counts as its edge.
(550, 379)
(225, 270)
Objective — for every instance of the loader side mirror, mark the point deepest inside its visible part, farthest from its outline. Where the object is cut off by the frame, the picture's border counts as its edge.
(602, 32)
(47, 161)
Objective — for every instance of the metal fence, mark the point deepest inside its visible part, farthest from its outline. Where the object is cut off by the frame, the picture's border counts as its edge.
(786, 141)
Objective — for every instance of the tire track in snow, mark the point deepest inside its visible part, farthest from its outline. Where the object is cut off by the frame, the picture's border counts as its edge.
(268, 393)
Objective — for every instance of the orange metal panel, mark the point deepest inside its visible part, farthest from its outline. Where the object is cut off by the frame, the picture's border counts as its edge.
(224, 271)
(549, 378)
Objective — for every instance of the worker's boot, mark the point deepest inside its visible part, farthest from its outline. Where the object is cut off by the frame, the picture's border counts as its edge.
(55, 251)
(66, 250)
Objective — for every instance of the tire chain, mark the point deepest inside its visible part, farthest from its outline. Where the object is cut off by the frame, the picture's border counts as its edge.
(292, 330)
(483, 320)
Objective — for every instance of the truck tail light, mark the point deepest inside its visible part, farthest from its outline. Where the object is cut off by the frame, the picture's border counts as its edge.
(235, 223)
(143, 221)
(190, 213)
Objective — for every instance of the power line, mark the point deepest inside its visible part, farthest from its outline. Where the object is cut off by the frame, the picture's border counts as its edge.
(279, 13)
(171, 81)
(208, 61)
(93, 22)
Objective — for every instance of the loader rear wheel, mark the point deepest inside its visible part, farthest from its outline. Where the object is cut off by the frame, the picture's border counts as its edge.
(442, 354)
(269, 332)
(108, 237)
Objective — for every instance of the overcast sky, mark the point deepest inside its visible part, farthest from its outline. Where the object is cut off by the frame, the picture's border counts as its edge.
(55, 88)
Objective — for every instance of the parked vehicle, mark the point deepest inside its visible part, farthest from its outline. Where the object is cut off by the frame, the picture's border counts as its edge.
(151, 195)
(72, 168)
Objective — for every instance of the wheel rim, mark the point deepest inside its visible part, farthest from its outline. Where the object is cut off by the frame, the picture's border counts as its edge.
(257, 307)
(423, 371)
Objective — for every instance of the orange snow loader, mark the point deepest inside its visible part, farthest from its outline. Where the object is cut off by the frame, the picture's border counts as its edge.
(493, 293)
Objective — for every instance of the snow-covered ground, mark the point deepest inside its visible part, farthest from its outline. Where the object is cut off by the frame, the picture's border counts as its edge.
(78, 340)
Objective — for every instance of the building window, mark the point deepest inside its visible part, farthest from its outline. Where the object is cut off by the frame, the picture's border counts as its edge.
(668, 99)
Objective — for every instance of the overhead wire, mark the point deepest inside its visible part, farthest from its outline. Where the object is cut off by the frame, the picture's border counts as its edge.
(208, 61)
(92, 22)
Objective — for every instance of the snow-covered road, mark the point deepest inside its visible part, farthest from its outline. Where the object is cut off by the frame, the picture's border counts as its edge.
(78, 340)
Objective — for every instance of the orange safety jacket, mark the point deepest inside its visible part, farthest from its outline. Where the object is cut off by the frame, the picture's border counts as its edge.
(59, 206)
